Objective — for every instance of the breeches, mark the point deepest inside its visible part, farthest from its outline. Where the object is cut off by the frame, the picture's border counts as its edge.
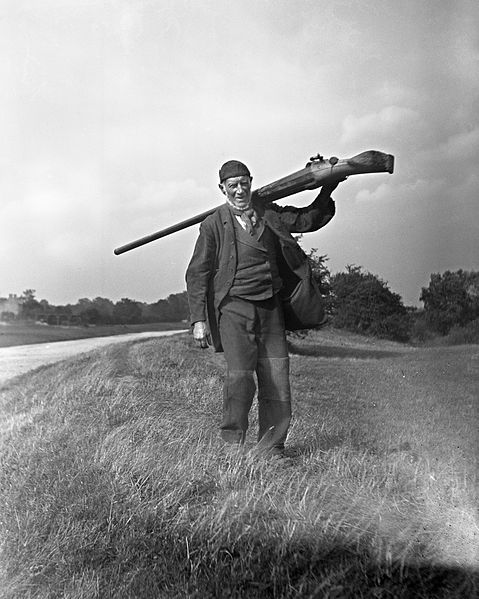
(254, 340)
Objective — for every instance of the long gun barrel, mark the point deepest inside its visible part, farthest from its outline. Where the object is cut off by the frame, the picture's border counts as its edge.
(317, 172)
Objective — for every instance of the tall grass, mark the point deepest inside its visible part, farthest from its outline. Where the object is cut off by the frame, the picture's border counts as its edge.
(114, 484)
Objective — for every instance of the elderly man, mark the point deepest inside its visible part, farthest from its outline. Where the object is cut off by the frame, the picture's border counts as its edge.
(244, 267)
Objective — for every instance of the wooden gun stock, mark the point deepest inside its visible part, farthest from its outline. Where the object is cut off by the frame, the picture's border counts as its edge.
(316, 173)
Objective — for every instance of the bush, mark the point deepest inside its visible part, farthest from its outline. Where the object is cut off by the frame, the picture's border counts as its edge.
(462, 335)
(363, 303)
(451, 299)
(420, 331)
(394, 326)
(322, 276)
(7, 316)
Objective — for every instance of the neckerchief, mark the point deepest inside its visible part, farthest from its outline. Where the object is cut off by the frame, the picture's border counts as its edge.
(249, 217)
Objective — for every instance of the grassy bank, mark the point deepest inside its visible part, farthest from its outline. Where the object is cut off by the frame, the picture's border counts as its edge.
(114, 483)
(27, 333)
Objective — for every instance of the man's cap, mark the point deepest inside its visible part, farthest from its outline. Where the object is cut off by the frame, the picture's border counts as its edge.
(233, 168)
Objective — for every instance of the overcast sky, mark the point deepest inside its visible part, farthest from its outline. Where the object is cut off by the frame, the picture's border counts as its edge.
(115, 116)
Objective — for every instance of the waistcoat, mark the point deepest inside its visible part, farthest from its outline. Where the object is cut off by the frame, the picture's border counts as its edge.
(257, 276)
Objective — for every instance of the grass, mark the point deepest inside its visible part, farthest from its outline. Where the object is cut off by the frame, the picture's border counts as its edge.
(114, 483)
(27, 333)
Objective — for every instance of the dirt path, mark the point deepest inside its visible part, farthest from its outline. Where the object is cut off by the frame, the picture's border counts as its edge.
(22, 358)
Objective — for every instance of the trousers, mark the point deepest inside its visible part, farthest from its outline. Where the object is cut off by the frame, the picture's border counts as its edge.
(254, 341)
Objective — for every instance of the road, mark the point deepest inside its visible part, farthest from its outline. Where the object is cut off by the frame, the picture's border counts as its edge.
(22, 358)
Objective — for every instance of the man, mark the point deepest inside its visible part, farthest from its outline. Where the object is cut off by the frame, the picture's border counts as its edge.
(244, 264)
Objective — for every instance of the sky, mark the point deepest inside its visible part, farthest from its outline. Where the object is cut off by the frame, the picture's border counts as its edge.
(115, 116)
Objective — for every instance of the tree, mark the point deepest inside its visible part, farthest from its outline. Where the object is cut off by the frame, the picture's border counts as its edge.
(363, 303)
(158, 312)
(28, 296)
(451, 299)
(105, 308)
(97, 311)
(172, 309)
(127, 311)
(30, 306)
(91, 316)
(178, 306)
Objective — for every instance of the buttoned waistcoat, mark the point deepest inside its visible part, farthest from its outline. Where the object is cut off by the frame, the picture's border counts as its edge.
(211, 271)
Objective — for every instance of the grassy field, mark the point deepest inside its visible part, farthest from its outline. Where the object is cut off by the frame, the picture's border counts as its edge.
(114, 483)
(25, 334)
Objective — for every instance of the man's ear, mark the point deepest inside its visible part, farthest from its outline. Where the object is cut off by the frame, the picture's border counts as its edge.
(222, 187)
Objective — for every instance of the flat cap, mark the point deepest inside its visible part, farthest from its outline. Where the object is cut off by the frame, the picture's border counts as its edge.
(233, 168)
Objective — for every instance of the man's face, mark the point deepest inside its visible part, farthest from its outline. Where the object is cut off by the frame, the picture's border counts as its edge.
(238, 191)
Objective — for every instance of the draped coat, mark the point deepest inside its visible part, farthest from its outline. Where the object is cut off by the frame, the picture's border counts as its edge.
(211, 271)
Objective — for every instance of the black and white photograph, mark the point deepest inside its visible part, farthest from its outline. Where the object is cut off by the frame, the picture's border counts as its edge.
(239, 299)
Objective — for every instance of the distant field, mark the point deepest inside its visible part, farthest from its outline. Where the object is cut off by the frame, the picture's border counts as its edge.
(25, 334)
(113, 483)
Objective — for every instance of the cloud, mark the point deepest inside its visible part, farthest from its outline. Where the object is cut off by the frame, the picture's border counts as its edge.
(459, 147)
(390, 92)
(399, 193)
(453, 160)
(158, 204)
(382, 193)
(391, 121)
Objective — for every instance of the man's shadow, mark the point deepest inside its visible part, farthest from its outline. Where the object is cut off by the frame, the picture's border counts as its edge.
(326, 351)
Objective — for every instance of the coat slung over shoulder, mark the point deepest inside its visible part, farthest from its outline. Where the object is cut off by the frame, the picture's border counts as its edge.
(302, 220)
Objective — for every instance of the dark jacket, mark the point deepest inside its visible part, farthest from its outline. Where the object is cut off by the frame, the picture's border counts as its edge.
(212, 268)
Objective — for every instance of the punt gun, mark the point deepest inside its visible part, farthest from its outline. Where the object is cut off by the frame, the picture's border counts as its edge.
(317, 172)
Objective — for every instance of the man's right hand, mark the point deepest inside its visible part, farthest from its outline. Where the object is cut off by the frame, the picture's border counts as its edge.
(328, 188)
(201, 334)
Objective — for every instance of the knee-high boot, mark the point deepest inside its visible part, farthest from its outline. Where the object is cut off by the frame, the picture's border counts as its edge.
(274, 401)
(238, 393)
